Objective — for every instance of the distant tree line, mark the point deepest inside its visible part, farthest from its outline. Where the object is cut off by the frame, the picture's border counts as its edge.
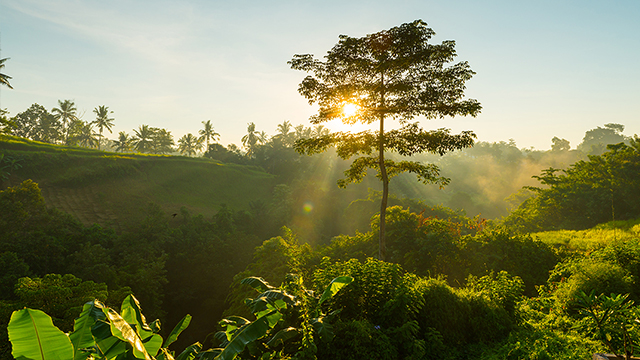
(603, 188)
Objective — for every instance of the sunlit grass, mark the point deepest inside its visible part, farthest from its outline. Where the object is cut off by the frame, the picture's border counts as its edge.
(590, 239)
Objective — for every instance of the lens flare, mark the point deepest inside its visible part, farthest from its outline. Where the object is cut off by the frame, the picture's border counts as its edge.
(307, 207)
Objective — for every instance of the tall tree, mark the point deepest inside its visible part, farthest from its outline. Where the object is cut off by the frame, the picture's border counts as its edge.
(143, 141)
(162, 141)
(102, 120)
(558, 144)
(302, 132)
(36, 123)
(189, 144)
(66, 112)
(4, 79)
(86, 137)
(250, 140)
(123, 143)
(207, 133)
(284, 135)
(391, 74)
(595, 141)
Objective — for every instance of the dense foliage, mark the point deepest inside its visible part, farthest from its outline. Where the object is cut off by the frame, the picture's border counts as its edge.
(454, 287)
(604, 188)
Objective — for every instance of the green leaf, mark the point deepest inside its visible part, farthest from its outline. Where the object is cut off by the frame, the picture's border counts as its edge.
(179, 328)
(122, 330)
(165, 354)
(131, 312)
(335, 286)
(248, 334)
(283, 336)
(107, 345)
(258, 283)
(153, 344)
(33, 336)
(322, 328)
(190, 352)
(81, 336)
(231, 324)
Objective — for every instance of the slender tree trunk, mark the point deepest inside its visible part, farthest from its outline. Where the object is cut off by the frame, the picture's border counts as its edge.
(382, 244)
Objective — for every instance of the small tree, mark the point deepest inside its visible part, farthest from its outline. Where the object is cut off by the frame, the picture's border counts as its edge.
(393, 74)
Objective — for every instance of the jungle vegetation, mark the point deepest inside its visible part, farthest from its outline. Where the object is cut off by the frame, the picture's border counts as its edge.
(283, 264)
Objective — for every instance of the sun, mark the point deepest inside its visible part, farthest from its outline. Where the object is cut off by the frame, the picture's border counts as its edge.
(350, 109)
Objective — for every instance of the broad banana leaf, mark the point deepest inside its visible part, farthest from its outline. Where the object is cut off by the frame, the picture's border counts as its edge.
(190, 352)
(283, 336)
(153, 344)
(258, 283)
(179, 328)
(164, 354)
(123, 331)
(33, 336)
(210, 354)
(323, 329)
(231, 324)
(335, 286)
(131, 312)
(108, 346)
(81, 336)
(248, 333)
(261, 305)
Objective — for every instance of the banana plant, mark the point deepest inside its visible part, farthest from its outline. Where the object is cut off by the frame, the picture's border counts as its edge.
(612, 319)
(268, 335)
(99, 332)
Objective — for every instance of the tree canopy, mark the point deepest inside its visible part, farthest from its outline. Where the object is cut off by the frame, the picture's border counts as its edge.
(392, 74)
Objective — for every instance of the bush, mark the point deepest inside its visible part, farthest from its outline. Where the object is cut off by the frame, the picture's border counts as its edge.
(358, 339)
(587, 275)
(462, 316)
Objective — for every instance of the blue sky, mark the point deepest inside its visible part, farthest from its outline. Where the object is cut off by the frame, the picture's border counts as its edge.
(544, 68)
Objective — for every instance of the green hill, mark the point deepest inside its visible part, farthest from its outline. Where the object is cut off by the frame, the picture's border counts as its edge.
(110, 188)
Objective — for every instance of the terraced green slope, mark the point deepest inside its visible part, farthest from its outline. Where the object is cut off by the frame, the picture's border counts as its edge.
(110, 188)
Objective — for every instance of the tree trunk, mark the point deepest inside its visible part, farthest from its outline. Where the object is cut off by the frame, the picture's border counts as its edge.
(382, 245)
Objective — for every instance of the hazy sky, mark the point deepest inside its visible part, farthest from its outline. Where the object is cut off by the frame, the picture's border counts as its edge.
(544, 68)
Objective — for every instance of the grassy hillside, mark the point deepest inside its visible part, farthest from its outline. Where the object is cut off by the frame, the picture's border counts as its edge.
(110, 188)
(590, 239)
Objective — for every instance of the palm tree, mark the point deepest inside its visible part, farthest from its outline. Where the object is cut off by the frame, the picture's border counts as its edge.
(284, 133)
(123, 143)
(87, 137)
(66, 112)
(162, 141)
(319, 130)
(302, 132)
(263, 137)
(189, 144)
(4, 79)
(208, 133)
(250, 140)
(143, 140)
(102, 120)
(284, 128)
